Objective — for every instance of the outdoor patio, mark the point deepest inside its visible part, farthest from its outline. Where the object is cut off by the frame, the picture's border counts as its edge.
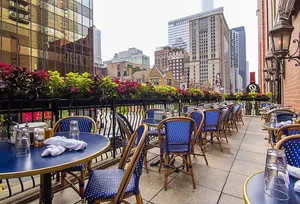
(220, 182)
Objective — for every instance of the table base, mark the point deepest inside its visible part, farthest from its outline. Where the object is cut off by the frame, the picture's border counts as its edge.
(46, 188)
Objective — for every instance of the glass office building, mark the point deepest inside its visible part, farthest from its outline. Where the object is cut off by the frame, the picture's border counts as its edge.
(47, 34)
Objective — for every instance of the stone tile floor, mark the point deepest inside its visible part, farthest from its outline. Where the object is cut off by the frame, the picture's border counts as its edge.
(219, 182)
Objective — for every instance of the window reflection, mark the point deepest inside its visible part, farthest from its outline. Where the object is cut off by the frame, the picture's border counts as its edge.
(49, 34)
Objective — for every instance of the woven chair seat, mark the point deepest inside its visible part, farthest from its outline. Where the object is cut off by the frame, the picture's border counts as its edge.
(176, 148)
(104, 184)
(79, 167)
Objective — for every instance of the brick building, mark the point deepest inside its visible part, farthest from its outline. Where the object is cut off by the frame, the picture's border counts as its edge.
(161, 57)
(267, 18)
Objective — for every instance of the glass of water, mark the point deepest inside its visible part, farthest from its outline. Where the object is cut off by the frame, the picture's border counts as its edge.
(74, 130)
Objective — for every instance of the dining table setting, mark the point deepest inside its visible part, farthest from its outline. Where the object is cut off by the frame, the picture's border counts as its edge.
(62, 150)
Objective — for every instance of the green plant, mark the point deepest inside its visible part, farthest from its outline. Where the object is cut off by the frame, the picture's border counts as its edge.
(238, 95)
(252, 95)
(226, 96)
(269, 95)
(108, 87)
(56, 84)
(79, 84)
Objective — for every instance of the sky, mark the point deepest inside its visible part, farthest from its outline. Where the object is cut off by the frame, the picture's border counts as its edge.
(143, 24)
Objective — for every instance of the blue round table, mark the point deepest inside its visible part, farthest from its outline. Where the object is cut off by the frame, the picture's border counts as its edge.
(13, 167)
(253, 191)
(151, 122)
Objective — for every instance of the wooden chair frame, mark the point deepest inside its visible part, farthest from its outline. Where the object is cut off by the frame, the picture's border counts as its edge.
(283, 140)
(289, 129)
(120, 196)
(152, 109)
(186, 157)
(196, 138)
(277, 111)
(214, 133)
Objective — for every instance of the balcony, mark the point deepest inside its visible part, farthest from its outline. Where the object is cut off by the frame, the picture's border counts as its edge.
(23, 2)
(15, 7)
(220, 182)
(13, 16)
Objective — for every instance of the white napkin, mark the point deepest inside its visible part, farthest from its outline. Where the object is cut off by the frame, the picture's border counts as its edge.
(294, 171)
(67, 143)
(297, 186)
(53, 150)
(278, 125)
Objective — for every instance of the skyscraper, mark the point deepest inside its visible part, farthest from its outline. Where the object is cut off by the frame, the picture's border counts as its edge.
(207, 5)
(235, 54)
(97, 47)
(178, 30)
(47, 34)
(242, 62)
(210, 51)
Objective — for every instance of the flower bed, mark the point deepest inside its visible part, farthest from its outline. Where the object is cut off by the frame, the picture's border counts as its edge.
(239, 96)
(21, 83)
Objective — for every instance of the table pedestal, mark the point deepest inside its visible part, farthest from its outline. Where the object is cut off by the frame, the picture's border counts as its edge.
(46, 188)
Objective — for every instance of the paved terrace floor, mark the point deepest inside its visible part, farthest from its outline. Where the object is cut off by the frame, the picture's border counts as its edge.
(220, 182)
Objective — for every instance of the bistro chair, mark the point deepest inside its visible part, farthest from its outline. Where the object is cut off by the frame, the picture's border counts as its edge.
(281, 112)
(239, 115)
(224, 121)
(177, 142)
(234, 119)
(286, 130)
(115, 185)
(291, 146)
(151, 112)
(185, 109)
(85, 124)
(126, 131)
(212, 125)
(198, 117)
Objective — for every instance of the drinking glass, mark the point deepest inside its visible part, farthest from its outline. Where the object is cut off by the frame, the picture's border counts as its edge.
(276, 175)
(74, 130)
(22, 144)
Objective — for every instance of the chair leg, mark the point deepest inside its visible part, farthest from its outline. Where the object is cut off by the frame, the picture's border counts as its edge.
(138, 198)
(63, 177)
(204, 155)
(145, 161)
(191, 170)
(242, 120)
(166, 171)
(218, 138)
(160, 161)
(235, 125)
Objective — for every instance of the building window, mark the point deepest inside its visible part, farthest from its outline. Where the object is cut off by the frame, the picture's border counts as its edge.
(169, 82)
(155, 81)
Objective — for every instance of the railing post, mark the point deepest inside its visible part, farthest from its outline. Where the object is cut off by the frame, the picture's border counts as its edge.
(179, 107)
(113, 109)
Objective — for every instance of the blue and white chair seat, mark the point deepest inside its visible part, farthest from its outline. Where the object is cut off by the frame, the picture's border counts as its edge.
(79, 167)
(104, 184)
(175, 148)
(155, 132)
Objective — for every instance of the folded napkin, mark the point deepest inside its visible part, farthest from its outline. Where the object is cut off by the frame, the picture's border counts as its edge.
(53, 150)
(278, 125)
(293, 171)
(71, 144)
(58, 145)
(297, 186)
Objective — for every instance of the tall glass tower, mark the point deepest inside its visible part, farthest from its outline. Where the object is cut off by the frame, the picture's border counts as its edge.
(47, 34)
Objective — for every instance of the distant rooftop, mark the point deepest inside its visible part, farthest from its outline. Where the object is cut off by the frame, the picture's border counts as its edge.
(198, 15)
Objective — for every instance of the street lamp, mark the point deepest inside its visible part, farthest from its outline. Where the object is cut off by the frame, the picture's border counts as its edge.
(280, 37)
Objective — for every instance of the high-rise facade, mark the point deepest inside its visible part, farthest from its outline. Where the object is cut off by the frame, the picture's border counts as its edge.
(242, 62)
(177, 59)
(47, 34)
(235, 61)
(161, 57)
(210, 51)
(207, 5)
(178, 30)
(97, 47)
(132, 55)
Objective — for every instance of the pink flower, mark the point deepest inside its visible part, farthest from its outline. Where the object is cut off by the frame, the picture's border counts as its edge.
(74, 90)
